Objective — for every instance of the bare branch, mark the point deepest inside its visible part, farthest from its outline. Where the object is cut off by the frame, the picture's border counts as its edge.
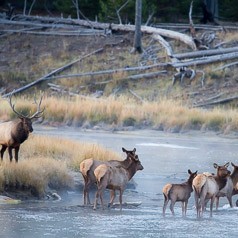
(118, 11)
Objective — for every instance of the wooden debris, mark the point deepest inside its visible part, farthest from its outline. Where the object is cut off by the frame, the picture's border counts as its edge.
(135, 95)
(221, 101)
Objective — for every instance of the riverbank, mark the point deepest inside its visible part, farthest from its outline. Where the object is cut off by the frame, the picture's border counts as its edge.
(49, 142)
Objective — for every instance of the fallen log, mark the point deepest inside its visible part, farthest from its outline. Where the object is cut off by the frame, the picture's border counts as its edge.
(165, 44)
(221, 101)
(225, 66)
(208, 60)
(112, 71)
(55, 33)
(116, 27)
(204, 53)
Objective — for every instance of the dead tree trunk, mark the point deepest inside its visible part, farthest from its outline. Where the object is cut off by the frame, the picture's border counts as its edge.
(137, 36)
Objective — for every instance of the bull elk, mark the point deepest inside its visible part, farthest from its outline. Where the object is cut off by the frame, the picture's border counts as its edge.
(14, 133)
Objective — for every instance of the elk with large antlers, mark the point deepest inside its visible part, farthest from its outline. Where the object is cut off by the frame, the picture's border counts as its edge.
(14, 133)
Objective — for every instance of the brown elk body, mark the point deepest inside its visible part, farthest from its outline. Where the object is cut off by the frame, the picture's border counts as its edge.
(88, 166)
(115, 178)
(206, 187)
(224, 182)
(14, 133)
(178, 193)
(234, 178)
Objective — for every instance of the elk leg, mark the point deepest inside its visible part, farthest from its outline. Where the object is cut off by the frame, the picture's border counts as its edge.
(120, 199)
(96, 200)
(185, 208)
(16, 153)
(87, 185)
(211, 205)
(10, 153)
(172, 206)
(2, 151)
(166, 200)
(196, 203)
(112, 192)
(230, 201)
(217, 202)
(101, 198)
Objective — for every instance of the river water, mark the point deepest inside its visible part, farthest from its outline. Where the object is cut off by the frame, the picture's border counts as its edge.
(166, 158)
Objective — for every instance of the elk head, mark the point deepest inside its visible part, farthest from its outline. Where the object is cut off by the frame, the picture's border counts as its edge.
(27, 120)
(222, 170)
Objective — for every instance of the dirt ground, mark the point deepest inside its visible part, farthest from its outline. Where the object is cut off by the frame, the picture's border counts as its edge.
(27, 57)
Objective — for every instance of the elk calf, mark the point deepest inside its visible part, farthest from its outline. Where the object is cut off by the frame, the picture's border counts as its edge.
(88, 166)
(115, 178)
(14, 133)
(178, 193)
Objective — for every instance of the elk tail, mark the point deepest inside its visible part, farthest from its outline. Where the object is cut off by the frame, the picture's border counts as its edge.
(166, 191)
(85, 166)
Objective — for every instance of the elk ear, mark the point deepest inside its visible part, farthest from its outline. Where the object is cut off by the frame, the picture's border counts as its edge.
(232, 164)
(189, 171)
(227, 164)
(134, 150)
(124, 150)
(215, 165)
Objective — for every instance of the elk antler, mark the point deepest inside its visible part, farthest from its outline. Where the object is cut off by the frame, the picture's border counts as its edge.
(39, 112)
(13, 106)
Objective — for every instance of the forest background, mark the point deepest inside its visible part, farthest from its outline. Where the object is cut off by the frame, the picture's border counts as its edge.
(106, 10)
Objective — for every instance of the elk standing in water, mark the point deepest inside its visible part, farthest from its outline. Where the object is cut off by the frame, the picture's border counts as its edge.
(224, 182)
(234, 178)
(88, 166)
(115, 178)
(178, 192)
(14, 133)
(207, 187)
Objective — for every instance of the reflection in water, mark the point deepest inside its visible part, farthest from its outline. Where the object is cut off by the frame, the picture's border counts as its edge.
(162, 163)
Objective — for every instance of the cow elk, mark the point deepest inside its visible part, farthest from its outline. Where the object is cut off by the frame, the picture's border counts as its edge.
(88, 166)
(14, 133)
(210, 187)
(115, 178)
(224, 182)
(234, 178)
(178, 193)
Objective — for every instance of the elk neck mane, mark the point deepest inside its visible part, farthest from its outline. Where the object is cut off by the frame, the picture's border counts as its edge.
(19, 133)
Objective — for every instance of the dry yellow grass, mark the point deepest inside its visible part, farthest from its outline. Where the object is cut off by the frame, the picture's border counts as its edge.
(126, 111)
(69, 151)
(36, 175)
(46, 162)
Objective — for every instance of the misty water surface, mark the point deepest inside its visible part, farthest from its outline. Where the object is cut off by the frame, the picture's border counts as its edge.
(166, 158)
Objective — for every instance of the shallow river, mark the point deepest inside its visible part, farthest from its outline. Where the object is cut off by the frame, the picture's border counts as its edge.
(166, 158)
